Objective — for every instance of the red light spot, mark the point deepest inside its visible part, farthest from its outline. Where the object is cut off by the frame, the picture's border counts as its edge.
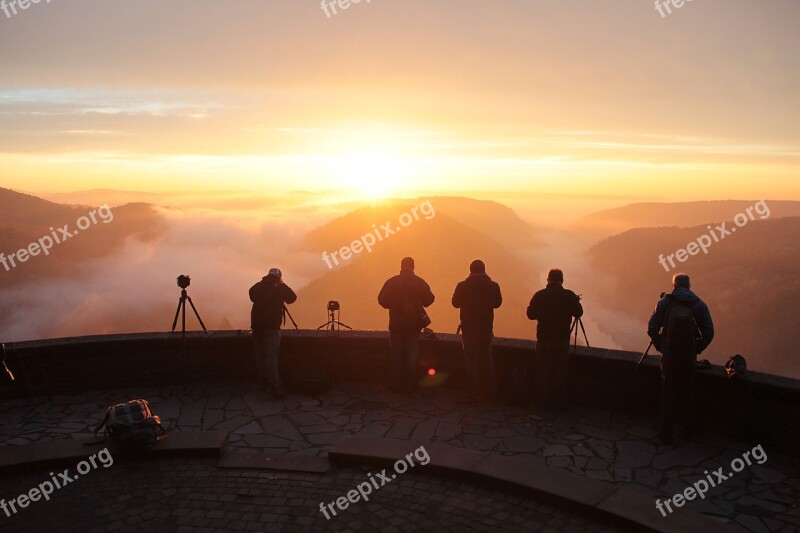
(432, 372)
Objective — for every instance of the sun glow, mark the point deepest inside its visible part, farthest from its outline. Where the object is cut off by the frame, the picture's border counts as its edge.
(370, 175)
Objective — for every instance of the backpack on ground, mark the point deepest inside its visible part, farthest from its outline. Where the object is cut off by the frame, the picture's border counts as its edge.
(681, 327)
(131, 425)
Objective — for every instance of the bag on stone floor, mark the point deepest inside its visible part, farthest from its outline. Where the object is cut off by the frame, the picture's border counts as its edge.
(131, 425)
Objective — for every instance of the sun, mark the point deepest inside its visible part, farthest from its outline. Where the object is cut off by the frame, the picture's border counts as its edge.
(370, 175)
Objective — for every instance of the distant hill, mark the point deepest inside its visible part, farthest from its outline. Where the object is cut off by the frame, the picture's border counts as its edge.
(24, 219)
(681, 214)
(443, 247)
(749, 280)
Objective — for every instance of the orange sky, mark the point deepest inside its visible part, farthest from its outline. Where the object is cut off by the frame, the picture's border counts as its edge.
(404, 97)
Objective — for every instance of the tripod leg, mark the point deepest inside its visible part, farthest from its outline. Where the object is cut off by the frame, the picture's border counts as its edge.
(575, 343)
(584, 333)
(183, 317)
(197, 314)
(177, 313)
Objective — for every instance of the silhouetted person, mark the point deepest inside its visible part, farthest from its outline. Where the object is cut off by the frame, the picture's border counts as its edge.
(269, 296)
(477, 297)
(554, 307)
(681, 328)
(405, 296)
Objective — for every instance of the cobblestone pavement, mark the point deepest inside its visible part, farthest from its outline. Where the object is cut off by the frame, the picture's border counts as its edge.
(193, 495)
(610, 446)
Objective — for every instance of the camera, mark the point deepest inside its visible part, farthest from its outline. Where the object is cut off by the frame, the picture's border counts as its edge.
(333, 305)
(184, 281)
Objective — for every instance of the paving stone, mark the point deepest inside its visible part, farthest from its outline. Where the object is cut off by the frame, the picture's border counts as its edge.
(688, 455)
(306, 419)
(556, 449)
(280, 427)
(634, 454)
(523, 444)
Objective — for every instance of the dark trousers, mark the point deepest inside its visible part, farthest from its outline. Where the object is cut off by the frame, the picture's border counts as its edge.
(677, 391)
(405, 348)
(550, 367)
(479, 364)
(268, 345)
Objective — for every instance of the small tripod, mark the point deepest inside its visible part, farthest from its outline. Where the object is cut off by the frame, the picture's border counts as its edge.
(182, 312)
(334, 313)
(574, 328)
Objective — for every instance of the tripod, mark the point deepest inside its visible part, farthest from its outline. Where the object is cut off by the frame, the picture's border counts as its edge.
(182, 308)
(642, 358)
(574, 328)
(333, 323)
(286, 312)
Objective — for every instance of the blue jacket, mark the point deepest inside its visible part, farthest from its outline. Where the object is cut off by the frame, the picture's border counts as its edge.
(701, 315)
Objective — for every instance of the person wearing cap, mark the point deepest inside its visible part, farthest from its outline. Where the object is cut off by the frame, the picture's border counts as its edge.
(405, 296)
(477, 297)
(554, 307)
(269, 296)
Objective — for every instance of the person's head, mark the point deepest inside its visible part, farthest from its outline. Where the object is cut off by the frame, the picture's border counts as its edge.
(407, 264)
(477, 267)
(555, 276)
(681, 280)
(275, 273)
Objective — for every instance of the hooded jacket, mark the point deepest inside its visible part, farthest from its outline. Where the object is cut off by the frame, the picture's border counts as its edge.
(404, 296)
(659, 319)
(477, 297)
(268, 297)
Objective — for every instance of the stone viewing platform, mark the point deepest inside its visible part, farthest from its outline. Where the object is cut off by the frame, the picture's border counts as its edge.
(271, 462)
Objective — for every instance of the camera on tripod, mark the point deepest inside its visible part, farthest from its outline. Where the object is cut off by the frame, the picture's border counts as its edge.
(184, 281)
(334, 313)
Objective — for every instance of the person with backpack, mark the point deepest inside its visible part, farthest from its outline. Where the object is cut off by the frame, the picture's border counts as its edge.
(405, 296)
(477, 297)
(681, 329)
(269, 297)
(554, 307)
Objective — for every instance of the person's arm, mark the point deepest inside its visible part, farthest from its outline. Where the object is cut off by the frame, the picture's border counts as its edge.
(498, 297)
(706, 326)
(655, 323)
(577, 307)
(289, 295)
(254, 292)
(427, 295)
(458, 296)
(533, 308)
(384, 298)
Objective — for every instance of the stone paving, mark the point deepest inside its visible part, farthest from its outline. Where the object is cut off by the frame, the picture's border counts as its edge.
(193, 495)
(610, 446)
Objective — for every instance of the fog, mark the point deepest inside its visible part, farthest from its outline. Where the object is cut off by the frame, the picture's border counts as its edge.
(135, 290)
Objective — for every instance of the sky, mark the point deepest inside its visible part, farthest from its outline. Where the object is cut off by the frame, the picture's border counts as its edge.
(406, 97)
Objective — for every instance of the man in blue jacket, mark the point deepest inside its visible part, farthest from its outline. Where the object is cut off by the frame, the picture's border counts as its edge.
(477, 297)
(681, 329)
(405, 296)
(269, 296)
